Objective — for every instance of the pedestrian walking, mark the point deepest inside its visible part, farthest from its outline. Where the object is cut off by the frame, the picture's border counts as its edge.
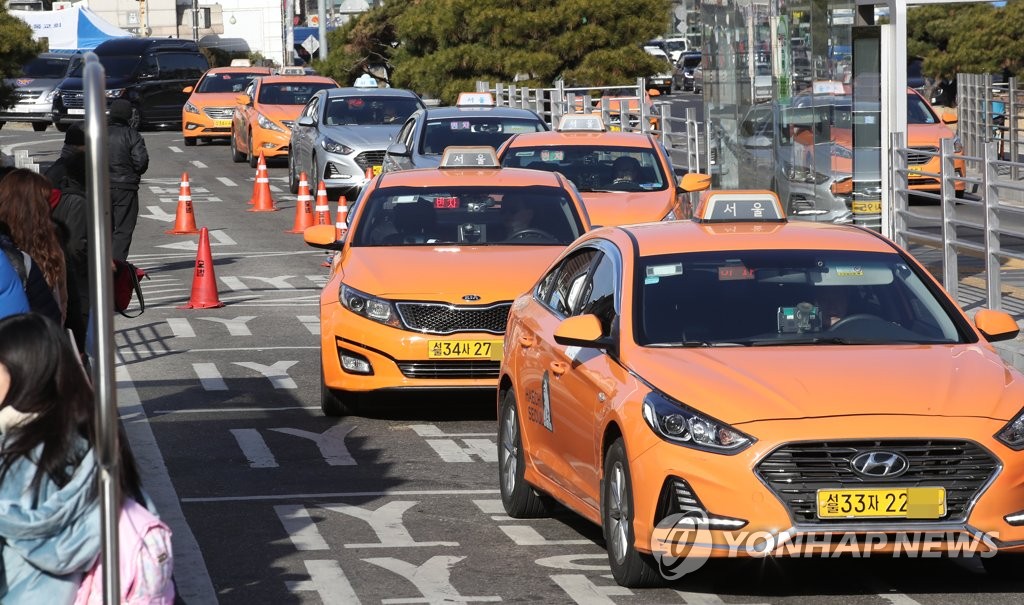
(129, 160)
(25, 208)
(74, 142)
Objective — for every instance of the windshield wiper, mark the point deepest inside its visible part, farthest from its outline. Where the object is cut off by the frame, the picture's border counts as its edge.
(695, 344)
(592, 190)
(823, 340)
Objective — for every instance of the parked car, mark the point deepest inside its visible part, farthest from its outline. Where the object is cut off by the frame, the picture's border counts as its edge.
(664, 79)
(35, 87)
(676, 46)
(211, 102)
(149, 72)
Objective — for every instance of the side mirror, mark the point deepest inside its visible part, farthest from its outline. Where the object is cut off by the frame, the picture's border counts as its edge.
(243, 99)
(398, 149)
(581, 331)
(695, 181)
(323, 236)
(996, 325)
(949, 117)
(187, 89)
(306, 121)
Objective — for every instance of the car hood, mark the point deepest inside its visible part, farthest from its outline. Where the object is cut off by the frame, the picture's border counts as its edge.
(280, 112)
(748, 384)
(111, 83)
(363, 137)
(927, 135)
(626, 208)
(494, 273)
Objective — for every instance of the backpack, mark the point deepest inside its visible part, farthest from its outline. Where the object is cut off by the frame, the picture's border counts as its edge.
(147, 562)
(126, 284)
(21, 261)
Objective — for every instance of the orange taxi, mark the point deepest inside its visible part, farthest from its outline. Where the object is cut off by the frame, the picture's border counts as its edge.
(421, 287)
(207, 113)
(265, 112)
(738, 384)
(623, 177)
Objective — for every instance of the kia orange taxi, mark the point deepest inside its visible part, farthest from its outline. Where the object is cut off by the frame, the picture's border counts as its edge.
(735, 384)
(423, 280)
(211, 102)
(623, 177)
(265, 112)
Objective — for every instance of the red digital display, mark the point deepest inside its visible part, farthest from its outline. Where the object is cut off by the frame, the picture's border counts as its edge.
(446, 202)
(730, 272)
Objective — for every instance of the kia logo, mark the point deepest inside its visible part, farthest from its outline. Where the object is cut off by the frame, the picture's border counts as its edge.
(471, 297)
(880, 464)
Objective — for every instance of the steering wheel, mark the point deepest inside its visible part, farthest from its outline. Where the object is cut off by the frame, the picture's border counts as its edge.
(849, 319)
(529, 234)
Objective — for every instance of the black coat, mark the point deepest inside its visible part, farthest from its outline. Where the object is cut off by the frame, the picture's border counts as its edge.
(128, 157)
(71, 216)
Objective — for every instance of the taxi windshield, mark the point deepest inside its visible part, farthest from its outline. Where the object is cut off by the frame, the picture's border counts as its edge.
(473, 131)
(290, 93)
(225, 82)
(599, 169)
(788, 297)
(471, 216)
(374, 111)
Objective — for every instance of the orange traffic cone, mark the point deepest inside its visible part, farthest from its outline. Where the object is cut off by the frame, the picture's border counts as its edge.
(303, 207)
(184, 219)
(322, 210)
(204, 282)
(369, 174)
(341, 220)
(261, 164)
(262, 200)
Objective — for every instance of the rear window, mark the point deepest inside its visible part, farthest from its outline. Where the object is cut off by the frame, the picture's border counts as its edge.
(693, 61)
(41, 67)
(473, 131)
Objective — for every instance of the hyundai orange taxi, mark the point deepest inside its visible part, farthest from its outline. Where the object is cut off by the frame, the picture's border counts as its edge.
(265, 112)
(420, 289)
(623, 177)
(735, 384)
(207, 113)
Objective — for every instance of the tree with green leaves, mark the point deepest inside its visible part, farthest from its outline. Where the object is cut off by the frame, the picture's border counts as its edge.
(442, 47)
(16, 48)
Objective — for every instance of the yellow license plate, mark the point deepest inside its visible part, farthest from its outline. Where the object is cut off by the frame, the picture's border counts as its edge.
(464, 349)
(222, 123)
(866, 207)
(915, 168)
(377, 170)
(903, 503)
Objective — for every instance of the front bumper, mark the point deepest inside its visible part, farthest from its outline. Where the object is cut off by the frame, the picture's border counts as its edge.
(28, 112)
(270, 142)
(735, 487)
(195, 125)
(339, 171)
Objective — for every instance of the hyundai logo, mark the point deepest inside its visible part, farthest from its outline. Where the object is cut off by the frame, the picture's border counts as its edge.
(880, 464)
(471, 297)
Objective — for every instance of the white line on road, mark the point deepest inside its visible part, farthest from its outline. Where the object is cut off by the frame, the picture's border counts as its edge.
(191, 577)
(384, 494)
(234, 410)
(174, 149)
(198, 164)
(300, 526)
(209, 377)
(254, 448)
(227, 182)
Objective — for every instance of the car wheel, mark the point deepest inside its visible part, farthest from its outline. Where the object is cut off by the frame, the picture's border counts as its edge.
(333, 403)
(293, 179)
(250, 155)
(61, 127)
(630, 568)
(39, 126)
(236, 156)
(518, 498)
(190, 141)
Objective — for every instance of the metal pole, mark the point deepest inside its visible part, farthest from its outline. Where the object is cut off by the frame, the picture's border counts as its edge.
(195, 20)
(321, 13)
(101, 301)
(993, 268)
(289, 33)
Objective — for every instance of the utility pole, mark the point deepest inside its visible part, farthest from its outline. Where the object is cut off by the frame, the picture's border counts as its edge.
(195, 20)
(289, 33)
(321, 13)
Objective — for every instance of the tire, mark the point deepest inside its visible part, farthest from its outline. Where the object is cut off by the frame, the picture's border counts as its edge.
(630, 568)
(39, 126)
(519, 499)
(61, 127)
(293, 179)
(251, 157)
(236, 156)
(1005, 566)
(191, 141)
(332, 403)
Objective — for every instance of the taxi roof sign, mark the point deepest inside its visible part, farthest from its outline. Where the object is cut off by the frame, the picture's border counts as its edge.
(365, 81)
(470, 157)
(740, 206)
(581, 122)
(475, 99)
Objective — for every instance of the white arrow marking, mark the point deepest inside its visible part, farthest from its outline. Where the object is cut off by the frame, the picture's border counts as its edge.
(217, 238)
(158, 214)
(198, 164)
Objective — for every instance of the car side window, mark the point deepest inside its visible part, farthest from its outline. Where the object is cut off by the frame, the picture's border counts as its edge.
(598, 296)
(562, 287)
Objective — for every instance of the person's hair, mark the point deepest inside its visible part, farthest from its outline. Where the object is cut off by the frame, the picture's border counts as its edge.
(25, 207)
(47, 382)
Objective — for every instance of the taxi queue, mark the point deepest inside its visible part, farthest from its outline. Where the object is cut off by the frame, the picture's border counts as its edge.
(733, 372)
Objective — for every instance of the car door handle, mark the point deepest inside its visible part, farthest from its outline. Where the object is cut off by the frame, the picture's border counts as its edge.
(525, 341)
(558, 367)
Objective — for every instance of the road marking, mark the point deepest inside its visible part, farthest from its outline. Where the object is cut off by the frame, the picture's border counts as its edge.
(180, 327)
(227, 182)
(432, 579)
(174, 149)
(386, 522)
(583, 591)
(300, 526)
(524, 535)
(383, 494)
(276, 373)
(450, 451)
(158, 214)
(209, 377)
(331, 443)
(198, 164)
(327, 579)
(235, 410)
(254, 448)
(236, 326)
(217, 238)
(191, 577)
(431, 430)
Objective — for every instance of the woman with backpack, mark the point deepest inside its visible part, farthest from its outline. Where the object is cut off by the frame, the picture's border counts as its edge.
(49, 505)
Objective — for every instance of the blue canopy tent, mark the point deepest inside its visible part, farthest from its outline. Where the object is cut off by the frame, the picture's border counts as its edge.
(70, 29)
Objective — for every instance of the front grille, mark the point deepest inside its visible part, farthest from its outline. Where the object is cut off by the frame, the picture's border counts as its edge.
(449, 369)
(441, 318)
(219, 113)
(26, 95)
(369, 159)
(920, 155)
(796, 471)
(72, 100)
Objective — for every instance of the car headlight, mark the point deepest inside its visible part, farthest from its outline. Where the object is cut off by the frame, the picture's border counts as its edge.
(267, 124)
(676, 423)
(958, 147)
(48, 97)
(1013, 433)
(799, 174)
(115, 93)
(190, 108)
(370, 307)
(335, 147)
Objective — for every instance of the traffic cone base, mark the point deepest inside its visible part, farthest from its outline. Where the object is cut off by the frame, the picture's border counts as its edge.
(204, 282)
(184, 217)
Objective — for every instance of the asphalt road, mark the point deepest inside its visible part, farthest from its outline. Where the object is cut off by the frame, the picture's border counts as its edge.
(271, 503)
